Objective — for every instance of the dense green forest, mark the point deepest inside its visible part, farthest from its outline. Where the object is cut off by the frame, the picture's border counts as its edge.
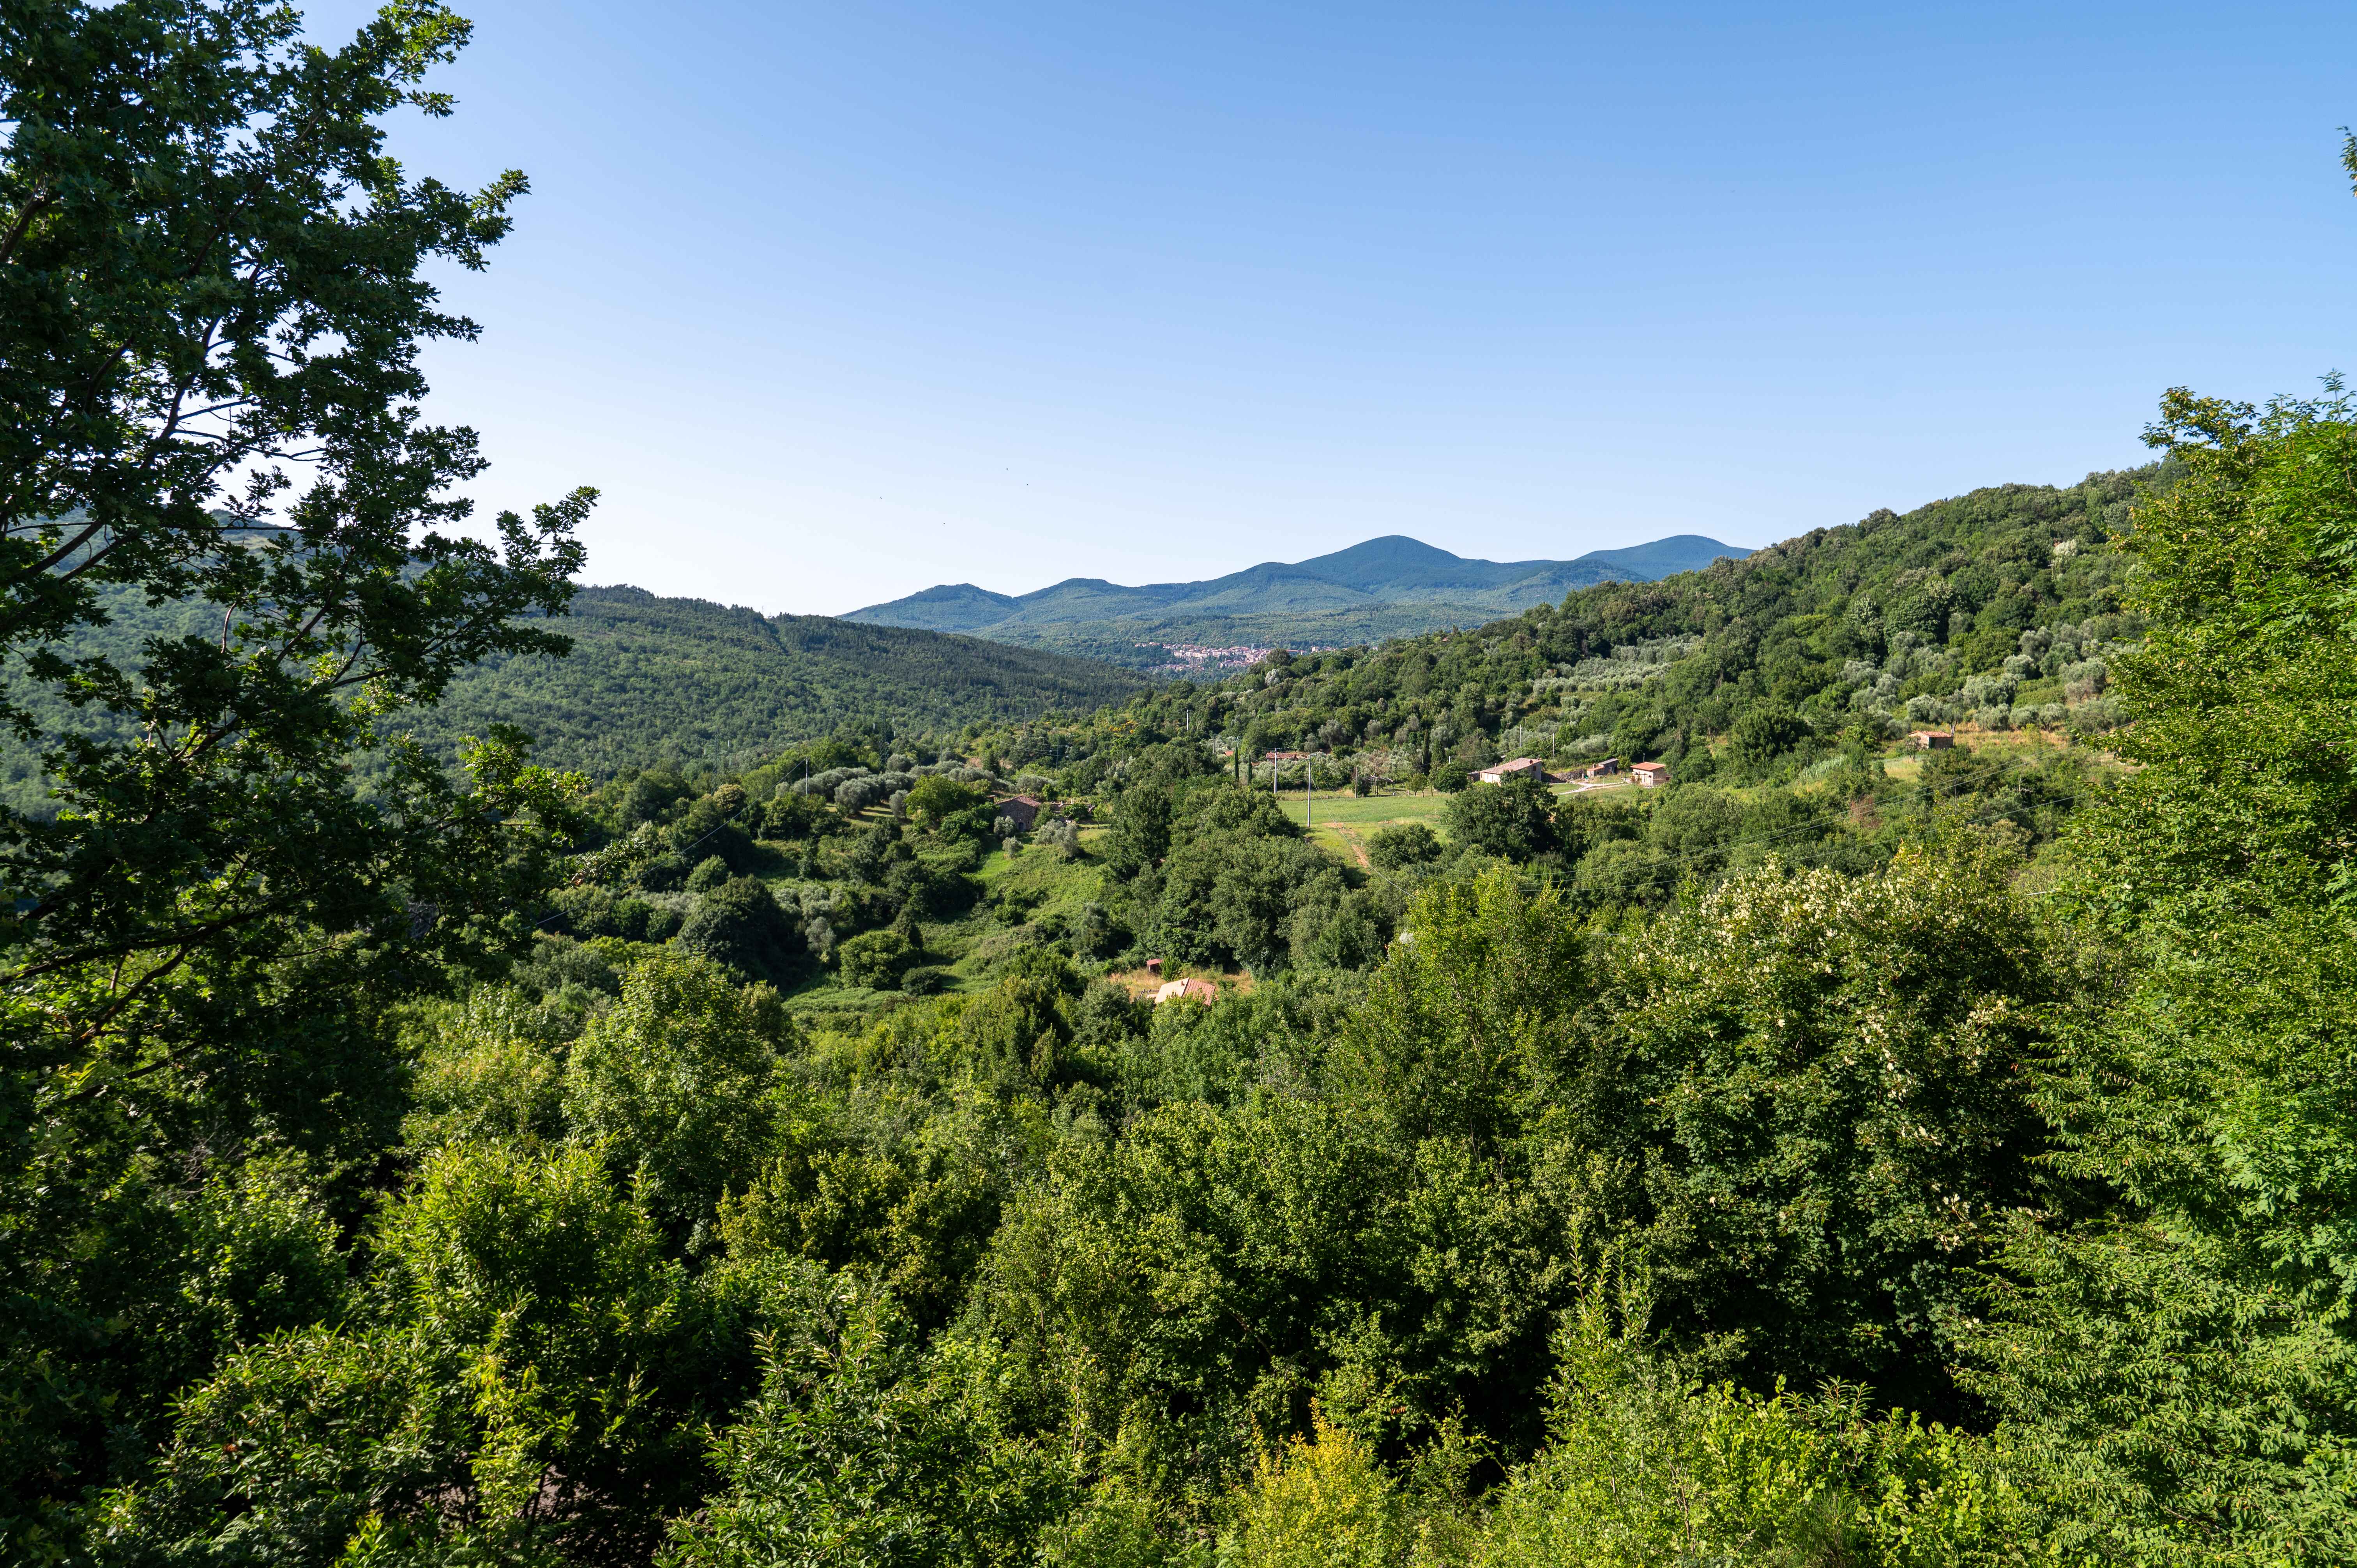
(652, 679)
(649, 676)
(1838, 1155)
(1999, 609)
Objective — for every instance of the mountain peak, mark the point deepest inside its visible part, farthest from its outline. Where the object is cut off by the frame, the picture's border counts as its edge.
(1666, 557)
(1381, 587)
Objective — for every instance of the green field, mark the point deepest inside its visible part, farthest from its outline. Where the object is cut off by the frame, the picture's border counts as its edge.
(1341, 822)
(1372, 810)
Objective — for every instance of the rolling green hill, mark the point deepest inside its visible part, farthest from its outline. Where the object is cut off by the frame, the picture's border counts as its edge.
(1999, 608)
(686, 681)
(713, 682)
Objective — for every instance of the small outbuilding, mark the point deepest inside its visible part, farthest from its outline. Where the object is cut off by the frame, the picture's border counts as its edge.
(1931, 739)
(1021, 810)
(1520, 767)
(1190, 990)
(1651, 775)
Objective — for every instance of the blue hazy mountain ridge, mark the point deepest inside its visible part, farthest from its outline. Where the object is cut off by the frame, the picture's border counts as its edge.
(1384, 588)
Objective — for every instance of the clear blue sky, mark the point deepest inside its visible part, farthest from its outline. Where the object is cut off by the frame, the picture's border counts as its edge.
(838, 301)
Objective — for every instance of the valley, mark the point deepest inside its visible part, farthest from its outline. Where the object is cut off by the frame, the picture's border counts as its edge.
(1835, 1055)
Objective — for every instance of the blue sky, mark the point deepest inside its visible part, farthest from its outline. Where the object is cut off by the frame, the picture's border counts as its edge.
(836, 302)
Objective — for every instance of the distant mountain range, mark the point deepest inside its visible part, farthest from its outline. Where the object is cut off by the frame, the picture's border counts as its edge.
(1391, 587)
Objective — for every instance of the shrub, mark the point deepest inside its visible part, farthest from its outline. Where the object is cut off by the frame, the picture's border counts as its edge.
(849, 1454)
(926, 980)
(1764, 734)
(1513, 821)
(740, 925)
(673, 1083)
(1649, 1464)
(1621, 873)
(875, 959)
(664, 873)
(1346, 934)
(1321, 1501)
(1404, 845)
(331, 1443)
(488, 1070)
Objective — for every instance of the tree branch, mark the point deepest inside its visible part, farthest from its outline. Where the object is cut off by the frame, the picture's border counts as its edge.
(24, 221)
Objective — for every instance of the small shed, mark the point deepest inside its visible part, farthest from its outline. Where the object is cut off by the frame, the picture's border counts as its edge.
(1932, 740)
(1021, 810)
(1190, 990)
(1604, 768)
(1520, 767)
(1651, 775)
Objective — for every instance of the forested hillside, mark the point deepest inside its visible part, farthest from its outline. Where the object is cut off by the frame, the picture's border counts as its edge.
(650, 676)
(2000, 608)
(652, 679)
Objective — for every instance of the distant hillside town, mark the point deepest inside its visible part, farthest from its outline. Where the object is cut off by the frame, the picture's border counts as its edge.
(1194, 658)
